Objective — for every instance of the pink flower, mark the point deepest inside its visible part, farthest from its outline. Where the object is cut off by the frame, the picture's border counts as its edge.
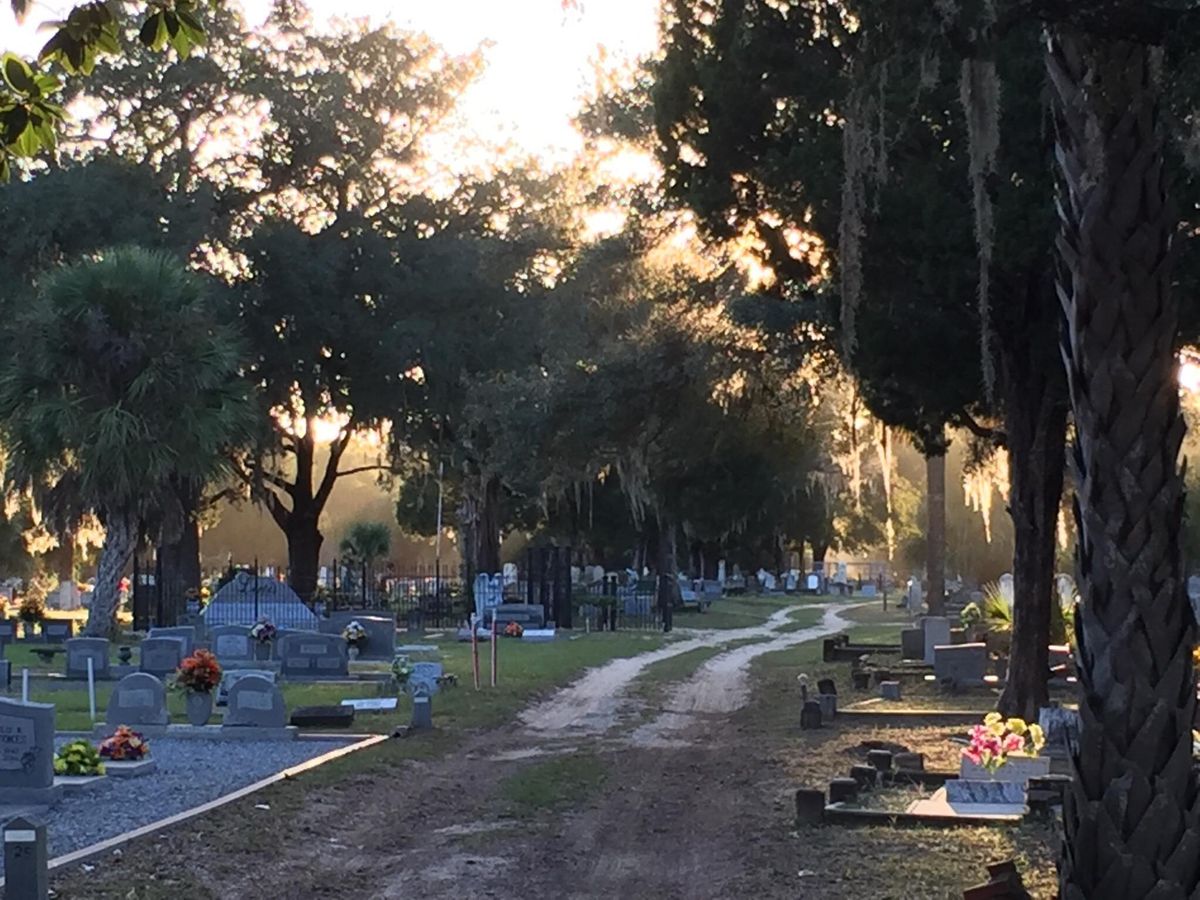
(973, 755)
(1014, 743)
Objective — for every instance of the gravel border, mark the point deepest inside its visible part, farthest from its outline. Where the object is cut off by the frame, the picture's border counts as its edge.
(190, 773)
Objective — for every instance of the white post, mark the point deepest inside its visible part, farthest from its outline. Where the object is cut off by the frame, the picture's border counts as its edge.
(92, 689)
(24, 685)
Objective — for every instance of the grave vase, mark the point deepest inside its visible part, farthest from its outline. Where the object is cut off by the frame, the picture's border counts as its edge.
(352, 650)
(199, 707)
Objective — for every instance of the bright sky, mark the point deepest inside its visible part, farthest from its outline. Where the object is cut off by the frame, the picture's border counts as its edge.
(539, 61)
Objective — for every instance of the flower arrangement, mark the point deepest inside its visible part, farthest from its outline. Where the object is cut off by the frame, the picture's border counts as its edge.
(124, 745)
(401, 670)
(78, 758)
(354, 634)
(513, 629)
(263, 631)
(199, 673)
(993, 742)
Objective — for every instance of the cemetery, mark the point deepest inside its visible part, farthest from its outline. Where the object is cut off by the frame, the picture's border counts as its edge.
(710, 449)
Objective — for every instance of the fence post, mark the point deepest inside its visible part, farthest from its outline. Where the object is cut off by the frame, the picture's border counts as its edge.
(256, 589)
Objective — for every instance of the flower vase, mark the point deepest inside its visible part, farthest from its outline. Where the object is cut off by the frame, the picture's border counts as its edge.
(262, 651)
(352, 650)
(199, 707)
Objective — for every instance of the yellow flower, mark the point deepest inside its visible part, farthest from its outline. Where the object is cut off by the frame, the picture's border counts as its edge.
(1016, 726)
(1038, 736)
(992, 718)
(997, 729)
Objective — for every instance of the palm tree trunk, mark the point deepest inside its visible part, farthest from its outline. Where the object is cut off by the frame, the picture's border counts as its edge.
(120, 538)
(1131, 818)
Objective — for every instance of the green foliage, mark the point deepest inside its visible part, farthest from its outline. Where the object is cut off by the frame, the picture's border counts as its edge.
(120, 379)
(78, 758)
(30, 114)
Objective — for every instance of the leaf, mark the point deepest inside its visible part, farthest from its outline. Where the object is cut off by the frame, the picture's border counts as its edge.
(148, 34)
(17, 73)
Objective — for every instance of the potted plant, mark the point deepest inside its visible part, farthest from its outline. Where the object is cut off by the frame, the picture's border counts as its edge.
(999, 761)
(199, 676)
(78, 759)
(513, 629)
(124, 745)
(355, 637)
(263, 632)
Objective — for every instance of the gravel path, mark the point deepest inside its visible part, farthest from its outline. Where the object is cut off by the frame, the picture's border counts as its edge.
(190, 772)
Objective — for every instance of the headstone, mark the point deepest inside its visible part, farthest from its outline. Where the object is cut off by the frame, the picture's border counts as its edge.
(310, 654)
(937, 632)
(80, 650)
(1061, 729)
(26, 860)
(230, 677)
(1007, 588)
(380, 644)
(810, 715)
(889, 690)
(187, 633)
(960, 664)
(916, 594)
(5, 674)
(826, 686)
(880, 760)
(160, 656)
(866, 776)
(246, 599)
(26, 753)
(909, 762)
(1064, 585)
(425, 676)
(958, 635)
(8, 631)
(810, 806)
(254, 700)
(231, 643)
(912, 643)
(843, 790)
(57, 631)
(828, 704)
(422, 712)
(138, 699)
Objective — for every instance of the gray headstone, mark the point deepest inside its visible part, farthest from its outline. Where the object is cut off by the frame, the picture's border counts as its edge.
(422, 712)
(912, 643)
(246, 599)
(1061, 728)
(80, 650)
(524, 614)
(310, 654)
(254, 700)
(8, 631)
(231, 643)
(57, 631)
(425, 674)
(231, 676)
(380, 628)
(26, 751)
(810, 715)
(889, 690)
(186, 632)
(26, 860)
(138, 699)
(937, 632)
(962, 664)
(828, 704)
(160, 656)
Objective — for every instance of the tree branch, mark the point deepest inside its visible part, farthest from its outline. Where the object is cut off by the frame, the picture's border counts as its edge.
(331, 467)
(377, 467)
(969, 422)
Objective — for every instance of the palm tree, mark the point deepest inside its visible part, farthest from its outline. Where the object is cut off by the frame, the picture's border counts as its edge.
(119, 383)
(1132, 818)
(366, 542)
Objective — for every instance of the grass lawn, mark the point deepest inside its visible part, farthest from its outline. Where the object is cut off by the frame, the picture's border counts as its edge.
(525, 671)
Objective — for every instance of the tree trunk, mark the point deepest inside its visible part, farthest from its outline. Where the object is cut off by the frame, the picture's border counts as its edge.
(1131, 817)
(179, 560)
(935, 532)
(304, 541)
(1035, 423)
(120, 539)
(668, 567)
(487, 528)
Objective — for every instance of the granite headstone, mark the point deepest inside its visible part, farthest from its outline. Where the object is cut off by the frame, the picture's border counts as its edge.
(310, 654)
(80, 650)
(138, 699)
(254, 700)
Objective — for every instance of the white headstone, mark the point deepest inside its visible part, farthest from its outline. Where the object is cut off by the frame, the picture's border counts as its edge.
(1007, 589)
(721, 571)
(1065, 586)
